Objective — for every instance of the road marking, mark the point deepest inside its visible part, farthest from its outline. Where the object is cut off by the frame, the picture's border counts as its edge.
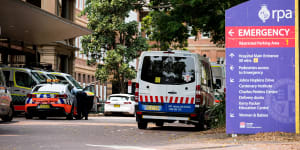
(120, 147)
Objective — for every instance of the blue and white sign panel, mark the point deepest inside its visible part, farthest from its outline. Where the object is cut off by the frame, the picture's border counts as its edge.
(260, 59)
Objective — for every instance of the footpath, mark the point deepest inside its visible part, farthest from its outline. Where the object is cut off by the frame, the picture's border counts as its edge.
(217, 139)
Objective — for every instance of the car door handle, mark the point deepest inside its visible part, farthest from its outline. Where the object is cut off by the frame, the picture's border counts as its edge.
(172, 92)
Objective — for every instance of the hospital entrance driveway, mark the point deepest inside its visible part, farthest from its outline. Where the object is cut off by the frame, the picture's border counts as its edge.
(117, 133)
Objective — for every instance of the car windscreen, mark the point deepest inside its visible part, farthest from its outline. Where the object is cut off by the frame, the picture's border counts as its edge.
(217, 71)
(38, 77)
(51, 76)
(62, 79)
(168, 70)
(50, 88)
(74, 82)
(118, 98)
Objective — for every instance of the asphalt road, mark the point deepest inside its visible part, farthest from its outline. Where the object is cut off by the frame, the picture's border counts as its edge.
(106, 133)
(114, 132)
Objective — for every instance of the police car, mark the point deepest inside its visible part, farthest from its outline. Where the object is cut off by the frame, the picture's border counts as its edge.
(51, 99)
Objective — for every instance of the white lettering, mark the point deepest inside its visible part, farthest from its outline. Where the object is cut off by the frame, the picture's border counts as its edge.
(263, 32)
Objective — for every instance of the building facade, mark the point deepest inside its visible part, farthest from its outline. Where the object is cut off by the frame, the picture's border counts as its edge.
(39, 33)
(83, 73)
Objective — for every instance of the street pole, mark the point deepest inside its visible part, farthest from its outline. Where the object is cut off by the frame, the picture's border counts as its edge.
(297, 119)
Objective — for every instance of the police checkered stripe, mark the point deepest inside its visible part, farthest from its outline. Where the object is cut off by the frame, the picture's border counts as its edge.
(166, 99)
(60, 101)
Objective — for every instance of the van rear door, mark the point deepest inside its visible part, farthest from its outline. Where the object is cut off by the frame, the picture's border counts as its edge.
(167, 83)
(152, 91)
(181, 87)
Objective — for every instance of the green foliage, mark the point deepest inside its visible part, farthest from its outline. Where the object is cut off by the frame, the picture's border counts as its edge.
(119, 42)
(217, 113)
(170, 19)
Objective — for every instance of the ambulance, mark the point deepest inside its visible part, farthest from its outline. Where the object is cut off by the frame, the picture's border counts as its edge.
(173, 86)
(20, 82)
(218, 71)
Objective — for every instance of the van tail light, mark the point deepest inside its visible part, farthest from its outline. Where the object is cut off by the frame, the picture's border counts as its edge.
(107, 102)
(198, 95)
(139, 113)
(224, 90)
(127, 102)
(193, 115)
(64, 96)
(31, 95)
(136, 99)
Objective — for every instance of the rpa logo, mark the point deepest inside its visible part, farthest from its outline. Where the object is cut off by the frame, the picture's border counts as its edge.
(264, 14)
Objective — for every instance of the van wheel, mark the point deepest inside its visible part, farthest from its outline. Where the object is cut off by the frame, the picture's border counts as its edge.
(199, 126)
(159, 124)
(28, 116)
(9, 116)
(142, 125)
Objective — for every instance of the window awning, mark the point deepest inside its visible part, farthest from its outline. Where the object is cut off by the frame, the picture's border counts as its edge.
(24, 22)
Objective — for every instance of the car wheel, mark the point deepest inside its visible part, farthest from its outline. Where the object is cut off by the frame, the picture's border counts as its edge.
(42, 117)
(9, 116)
(142, 125)
(159, 124)
(28, 116)
(71, 114)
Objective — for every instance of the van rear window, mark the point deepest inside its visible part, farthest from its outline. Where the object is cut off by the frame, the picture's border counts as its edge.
(168, 70)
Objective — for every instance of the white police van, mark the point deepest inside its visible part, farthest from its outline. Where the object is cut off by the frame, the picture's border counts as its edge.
(19, 82)
(173, 86)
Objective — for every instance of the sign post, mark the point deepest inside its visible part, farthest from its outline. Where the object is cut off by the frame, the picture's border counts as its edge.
(297, 67)
(261, 63)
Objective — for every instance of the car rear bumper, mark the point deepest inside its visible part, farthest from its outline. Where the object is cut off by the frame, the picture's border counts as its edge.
(121, 109)
(51, 112)
(147, 116)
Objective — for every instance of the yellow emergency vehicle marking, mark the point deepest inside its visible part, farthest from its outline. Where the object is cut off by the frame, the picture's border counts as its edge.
(90, 93)
(45, 93)
(17, 95)
(297, 65)
(15, 83)
(157, 80)
(215, 66)
(57, 73)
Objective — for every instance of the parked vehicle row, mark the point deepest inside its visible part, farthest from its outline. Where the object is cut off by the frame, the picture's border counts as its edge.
(20, 86)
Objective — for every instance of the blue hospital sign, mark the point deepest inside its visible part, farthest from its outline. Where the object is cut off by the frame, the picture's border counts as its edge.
(260, 59)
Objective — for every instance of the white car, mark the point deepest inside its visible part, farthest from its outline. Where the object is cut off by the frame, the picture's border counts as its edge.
(120, 103)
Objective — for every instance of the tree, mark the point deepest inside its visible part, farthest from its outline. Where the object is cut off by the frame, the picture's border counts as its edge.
(199, 15)
(119, 40)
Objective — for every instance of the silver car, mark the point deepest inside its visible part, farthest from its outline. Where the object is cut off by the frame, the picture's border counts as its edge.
(6, 106)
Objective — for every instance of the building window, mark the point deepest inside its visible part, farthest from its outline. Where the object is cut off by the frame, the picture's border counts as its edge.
(205, 35)
(83, 78)
(79, 77)
(77, 5)
(81, 4)
(88, 79)
(93, 79)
